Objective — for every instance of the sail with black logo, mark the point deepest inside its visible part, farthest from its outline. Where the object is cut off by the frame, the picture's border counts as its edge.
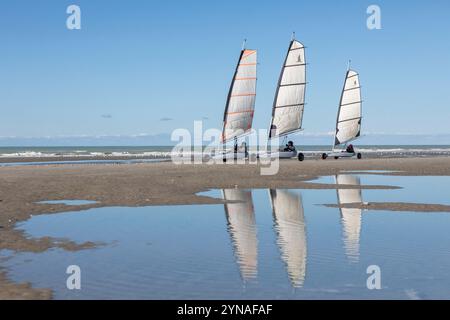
(348, 122)
(289, 102)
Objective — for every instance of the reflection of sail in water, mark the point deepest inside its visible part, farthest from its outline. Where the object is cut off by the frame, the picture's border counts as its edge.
(242, 229)
(351, 217)
(291, 235)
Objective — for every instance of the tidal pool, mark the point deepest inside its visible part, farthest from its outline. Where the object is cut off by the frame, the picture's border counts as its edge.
(69, 202)
(264, 244)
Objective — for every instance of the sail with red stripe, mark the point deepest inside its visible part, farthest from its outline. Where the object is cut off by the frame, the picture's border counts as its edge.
(241, 225)
(240, 106)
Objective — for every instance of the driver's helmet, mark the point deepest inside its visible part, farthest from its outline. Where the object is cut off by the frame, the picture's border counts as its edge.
(290, 143)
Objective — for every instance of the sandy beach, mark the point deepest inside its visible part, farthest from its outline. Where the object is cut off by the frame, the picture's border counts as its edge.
(164, 184)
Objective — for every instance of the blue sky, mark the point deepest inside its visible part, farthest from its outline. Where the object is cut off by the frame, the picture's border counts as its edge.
(134, 63)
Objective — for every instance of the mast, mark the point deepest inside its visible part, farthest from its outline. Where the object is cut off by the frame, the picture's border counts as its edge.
(289, 101)
(349, 116)
(240, 105)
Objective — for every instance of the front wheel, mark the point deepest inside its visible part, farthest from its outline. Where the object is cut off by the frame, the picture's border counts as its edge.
(324, 156)
(335, 158)
(359, 155)
(301, 156)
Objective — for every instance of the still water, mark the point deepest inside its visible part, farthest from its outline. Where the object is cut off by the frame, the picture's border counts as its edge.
(266, 244)
(69, 202)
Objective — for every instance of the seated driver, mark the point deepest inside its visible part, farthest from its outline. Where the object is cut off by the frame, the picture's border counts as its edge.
(244, 148)
(289, 147)
(350, 149)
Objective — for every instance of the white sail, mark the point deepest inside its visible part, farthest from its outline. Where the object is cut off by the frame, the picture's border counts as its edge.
(348, 123)
(240, 106)
(242, 229)
(351, 217)
(291, 233)
(289, 102)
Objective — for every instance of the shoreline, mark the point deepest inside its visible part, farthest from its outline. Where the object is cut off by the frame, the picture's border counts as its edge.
(314, 153)
(77, 158)
(164, 183)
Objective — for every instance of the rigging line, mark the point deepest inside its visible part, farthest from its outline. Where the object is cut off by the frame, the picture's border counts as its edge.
(290, 105)
(295, 65)
(349, 104)
(243, 95)
(293, 84)
(249, 53)
(352, 76)
(352, 89)
(357, 118)
(243, 111)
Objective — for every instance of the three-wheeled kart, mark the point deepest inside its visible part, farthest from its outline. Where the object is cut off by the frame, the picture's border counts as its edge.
(283, 155)
(341, 154)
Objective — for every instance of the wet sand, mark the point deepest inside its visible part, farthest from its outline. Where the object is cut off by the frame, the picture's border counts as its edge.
(163, 184)
(22, 291)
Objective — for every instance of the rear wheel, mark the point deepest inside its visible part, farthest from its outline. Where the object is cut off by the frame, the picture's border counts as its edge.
(324, 156)
(359, 155)
(224, 160)
(301, 156)
(335, 158)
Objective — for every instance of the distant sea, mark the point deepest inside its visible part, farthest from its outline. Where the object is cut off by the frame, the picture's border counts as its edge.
(164, 152)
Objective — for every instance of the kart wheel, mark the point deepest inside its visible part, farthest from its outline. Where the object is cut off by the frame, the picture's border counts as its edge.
(224, 160)
(301, 156)
(324, 156)
(359, 155)
(335, 158)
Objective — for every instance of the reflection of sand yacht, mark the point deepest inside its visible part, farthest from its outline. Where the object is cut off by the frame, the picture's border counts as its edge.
(242, 229)
(351, 217)
(291, 234)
